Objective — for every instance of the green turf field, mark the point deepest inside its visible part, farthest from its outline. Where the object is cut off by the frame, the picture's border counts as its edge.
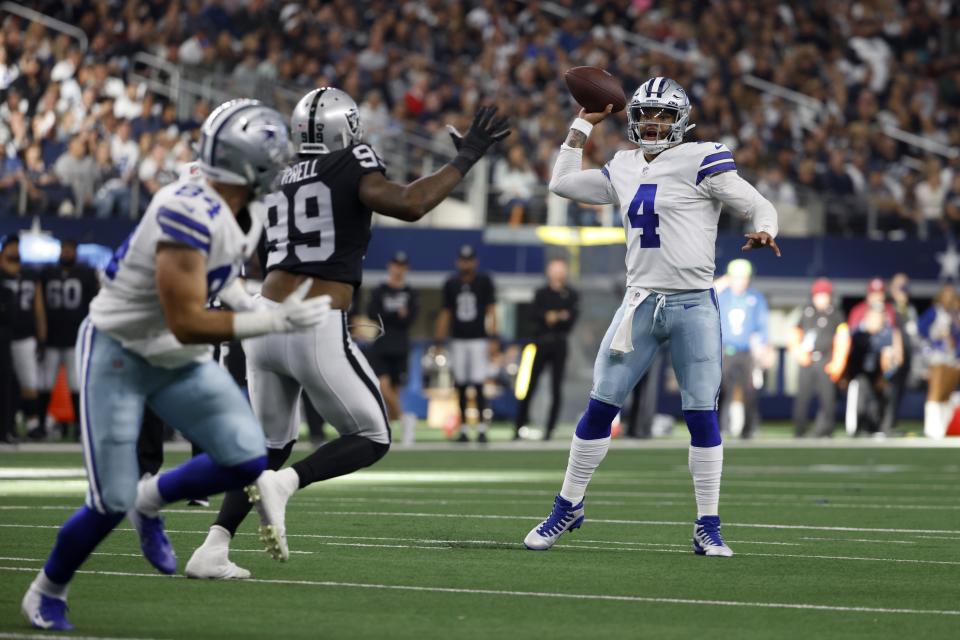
(830, 542)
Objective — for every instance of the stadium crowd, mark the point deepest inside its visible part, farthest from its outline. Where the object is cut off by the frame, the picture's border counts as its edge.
(81, 138)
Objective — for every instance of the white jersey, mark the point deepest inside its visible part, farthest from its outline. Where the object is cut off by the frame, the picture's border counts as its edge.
(187, 212)
(669, 207)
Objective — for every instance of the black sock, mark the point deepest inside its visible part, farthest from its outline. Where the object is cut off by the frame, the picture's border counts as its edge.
(481, 402)
(462, 393)
(43, 405)
(339, 457)
(236, 505)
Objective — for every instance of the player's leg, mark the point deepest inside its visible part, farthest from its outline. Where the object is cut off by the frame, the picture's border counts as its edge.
(341, 384)
(827, 393)
(523, 407)
(459, 362)
(479, 366)
(25, 364)
(343, 388)
(203, 403)
(70, 366)
(398, 378)
(558, 365)
(111, 407)
(47, 370)
(801, 401)
(751, 397)
(694, 325)
(274, 398)
(614, 375)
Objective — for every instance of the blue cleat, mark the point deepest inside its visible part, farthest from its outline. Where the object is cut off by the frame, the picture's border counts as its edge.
(707, 540)
(154, 542)
(45, 612)
(564, 517)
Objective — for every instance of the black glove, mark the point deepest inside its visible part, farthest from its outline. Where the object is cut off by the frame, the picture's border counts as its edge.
(485, 131)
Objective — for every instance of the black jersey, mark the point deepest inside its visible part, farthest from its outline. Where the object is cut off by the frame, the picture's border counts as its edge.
(818, 329)
(316, 223)
(398, 309)
(23, 289)
(468, 302)
(67, 292)
(547, 299)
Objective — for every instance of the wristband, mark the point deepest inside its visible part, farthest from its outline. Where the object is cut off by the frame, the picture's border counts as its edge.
(249, 324)
(582, 126)
(462, 163)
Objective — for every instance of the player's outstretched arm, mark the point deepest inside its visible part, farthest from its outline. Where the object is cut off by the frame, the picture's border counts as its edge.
(411, 202)
(741, 196)
(569, 180)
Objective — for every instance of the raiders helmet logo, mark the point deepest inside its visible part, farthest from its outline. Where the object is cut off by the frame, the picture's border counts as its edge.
(353, 121)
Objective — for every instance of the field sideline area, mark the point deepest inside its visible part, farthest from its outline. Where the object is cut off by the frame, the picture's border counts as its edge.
(832, 541)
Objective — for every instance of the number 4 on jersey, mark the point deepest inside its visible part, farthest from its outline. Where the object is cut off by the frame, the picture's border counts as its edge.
(642, 216)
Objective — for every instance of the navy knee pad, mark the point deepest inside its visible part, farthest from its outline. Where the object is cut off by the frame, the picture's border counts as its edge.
(597, 420)
(704, 428)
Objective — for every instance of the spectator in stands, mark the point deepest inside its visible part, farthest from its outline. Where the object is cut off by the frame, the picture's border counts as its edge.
(819, 343)
(44, 191)
(156, 170)
(11, 173)
(876, 352)
(951, 208)
(885, 201)
(839, 188)
(775, 188)
(514, 182)
(78, 170)
(939, 330)
(743, 324)
(930, 195)
(114, 195)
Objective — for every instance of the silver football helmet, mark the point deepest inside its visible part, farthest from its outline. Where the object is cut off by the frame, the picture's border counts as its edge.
(655, 95)
(244, 142)
(325, 120)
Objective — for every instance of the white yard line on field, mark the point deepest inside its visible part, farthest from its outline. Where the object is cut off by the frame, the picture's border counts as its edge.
(48, 636)
(551, 595)
(860, 540)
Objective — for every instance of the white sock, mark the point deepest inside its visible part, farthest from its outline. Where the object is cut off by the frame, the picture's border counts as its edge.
(149, 501)
(932, 419)
(706, 465)
(585, 457)
(217, 538)
(482, 427)
(48, 587)
(289, 480)
(408, 423)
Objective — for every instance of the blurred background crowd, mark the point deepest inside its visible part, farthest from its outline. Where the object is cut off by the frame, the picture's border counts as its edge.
(846, 115)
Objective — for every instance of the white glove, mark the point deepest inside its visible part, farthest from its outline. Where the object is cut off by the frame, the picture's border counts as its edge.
(235, 296)
(293, 314)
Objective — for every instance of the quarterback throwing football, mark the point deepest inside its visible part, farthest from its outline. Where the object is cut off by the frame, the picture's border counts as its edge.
(670, 192)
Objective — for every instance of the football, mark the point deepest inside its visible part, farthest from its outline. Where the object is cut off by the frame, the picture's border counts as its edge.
(594, 89)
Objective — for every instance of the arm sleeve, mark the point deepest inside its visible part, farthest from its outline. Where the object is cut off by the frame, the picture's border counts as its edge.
(184, 225)
(570, 181)
(738, 194)
(538, 309)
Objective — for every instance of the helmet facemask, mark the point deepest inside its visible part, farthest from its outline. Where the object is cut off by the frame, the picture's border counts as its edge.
(655, 127)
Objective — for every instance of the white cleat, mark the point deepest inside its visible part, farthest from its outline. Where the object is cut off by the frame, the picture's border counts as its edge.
(269, 498)
(564, 517)
(213, 563)
(707, 540)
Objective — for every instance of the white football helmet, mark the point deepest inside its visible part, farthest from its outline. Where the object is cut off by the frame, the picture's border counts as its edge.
(325, 120)
(654, 95)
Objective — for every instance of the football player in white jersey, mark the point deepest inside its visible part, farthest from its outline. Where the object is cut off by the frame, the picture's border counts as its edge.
(146, 342)
(670, 193)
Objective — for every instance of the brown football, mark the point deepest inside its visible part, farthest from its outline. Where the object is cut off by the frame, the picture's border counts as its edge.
(594, 89)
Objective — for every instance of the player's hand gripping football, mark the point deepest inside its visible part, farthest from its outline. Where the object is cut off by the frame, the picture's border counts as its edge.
(596, 118)
(760, 240)
(297, 313)
(486, 131)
